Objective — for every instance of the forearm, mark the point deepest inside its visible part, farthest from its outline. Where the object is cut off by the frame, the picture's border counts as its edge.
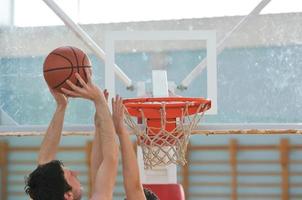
(106, 174)
(129, 160)
(106, 130)
(105, 179)
(132, 183)
(52, 137)
(96, 152)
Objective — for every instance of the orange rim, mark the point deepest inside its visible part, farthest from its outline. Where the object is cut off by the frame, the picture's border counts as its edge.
(150, 107)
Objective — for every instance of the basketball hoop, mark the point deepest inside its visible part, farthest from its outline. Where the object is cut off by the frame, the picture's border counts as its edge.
(167, 126)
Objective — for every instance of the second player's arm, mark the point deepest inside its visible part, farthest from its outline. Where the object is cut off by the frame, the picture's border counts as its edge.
(132, 182)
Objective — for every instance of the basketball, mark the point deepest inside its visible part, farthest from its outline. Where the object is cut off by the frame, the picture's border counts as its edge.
(61, 64)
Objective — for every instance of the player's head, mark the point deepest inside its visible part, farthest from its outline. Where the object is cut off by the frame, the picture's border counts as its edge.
(150, 195)
(51, 181)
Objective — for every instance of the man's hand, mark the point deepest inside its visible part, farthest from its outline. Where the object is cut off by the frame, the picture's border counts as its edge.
(96, 121)
(88, 90)
(61, 99)
(118, 114)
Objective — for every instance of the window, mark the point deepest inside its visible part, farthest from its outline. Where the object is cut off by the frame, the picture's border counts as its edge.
(36, 12)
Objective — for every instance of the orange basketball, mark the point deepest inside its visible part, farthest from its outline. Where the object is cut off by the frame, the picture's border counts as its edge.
(61, 64)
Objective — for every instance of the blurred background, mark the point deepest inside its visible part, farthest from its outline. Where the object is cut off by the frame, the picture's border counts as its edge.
(257, 83)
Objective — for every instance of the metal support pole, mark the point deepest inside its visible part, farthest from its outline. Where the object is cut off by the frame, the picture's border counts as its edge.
(221, 45)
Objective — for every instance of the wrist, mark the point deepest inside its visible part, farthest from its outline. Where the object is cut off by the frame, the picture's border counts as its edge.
(61, 106)
(99, 102)
(121, 130)
(101, 111)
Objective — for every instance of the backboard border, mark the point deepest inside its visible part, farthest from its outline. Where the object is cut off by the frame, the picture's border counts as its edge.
(111, 37)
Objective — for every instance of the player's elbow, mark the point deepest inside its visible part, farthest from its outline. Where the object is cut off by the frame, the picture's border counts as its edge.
(112, 158)
(113, 154)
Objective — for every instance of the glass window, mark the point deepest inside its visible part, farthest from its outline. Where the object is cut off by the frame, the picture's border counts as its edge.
(37, 13)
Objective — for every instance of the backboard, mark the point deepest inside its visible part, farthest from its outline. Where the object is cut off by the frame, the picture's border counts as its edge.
(176, 52)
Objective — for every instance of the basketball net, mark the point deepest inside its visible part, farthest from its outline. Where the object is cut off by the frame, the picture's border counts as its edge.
(161, 147)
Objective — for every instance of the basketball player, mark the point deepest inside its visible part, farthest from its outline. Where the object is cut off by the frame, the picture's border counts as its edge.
(132, 184)
(51, 180)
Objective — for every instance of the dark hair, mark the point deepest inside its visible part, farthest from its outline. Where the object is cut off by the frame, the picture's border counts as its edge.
(150, 195)
(47, 182)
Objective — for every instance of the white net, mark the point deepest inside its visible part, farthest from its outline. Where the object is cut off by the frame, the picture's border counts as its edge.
(162, 145)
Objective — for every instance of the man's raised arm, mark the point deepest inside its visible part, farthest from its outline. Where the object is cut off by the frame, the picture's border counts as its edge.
(106, 174)
(52, 136)
(133, 186)
(96, 151)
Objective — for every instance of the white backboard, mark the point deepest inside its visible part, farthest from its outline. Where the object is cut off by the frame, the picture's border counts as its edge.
(151, 44)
